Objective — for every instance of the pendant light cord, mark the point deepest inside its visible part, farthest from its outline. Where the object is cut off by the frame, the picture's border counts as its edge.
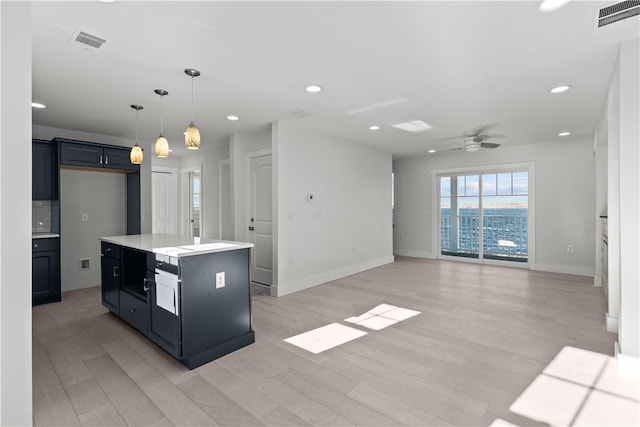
(161, 123)
(136, 126)
(191, 99)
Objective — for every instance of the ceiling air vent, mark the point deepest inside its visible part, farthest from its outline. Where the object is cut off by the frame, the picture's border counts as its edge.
(617, 12)
(88, 41)
(297, 113)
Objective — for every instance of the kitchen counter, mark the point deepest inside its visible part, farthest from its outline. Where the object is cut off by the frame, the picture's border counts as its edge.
(190, 296)
(44, 235)
(175, 246)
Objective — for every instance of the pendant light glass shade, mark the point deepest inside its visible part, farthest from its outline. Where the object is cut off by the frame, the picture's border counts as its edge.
(192, 137)
(192, 134)
(136, 156)
(161, 145)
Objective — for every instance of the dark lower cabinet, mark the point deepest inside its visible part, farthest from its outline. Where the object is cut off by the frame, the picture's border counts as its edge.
(110, 269)
(133, 310)
(164, 327)
(45, 270)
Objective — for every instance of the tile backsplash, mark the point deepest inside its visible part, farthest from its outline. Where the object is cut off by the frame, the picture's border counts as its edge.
(41, 216)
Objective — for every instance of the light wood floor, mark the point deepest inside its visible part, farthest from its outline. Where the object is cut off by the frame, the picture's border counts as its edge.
(483, 335)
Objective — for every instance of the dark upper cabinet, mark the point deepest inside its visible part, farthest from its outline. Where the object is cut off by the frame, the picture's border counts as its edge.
(91, 155)
(44, 172)
(45, 270)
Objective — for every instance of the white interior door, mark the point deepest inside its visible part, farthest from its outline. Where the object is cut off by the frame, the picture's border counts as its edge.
(260, 219)
(164, 189)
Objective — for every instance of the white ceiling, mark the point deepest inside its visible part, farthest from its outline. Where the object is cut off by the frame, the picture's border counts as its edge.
(454, 65)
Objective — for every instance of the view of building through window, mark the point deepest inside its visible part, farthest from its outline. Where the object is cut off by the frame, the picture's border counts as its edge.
(498, 202)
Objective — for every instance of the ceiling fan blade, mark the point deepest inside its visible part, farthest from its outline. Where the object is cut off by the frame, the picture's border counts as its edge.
(450, 138)
(489, 145)
(455, 148)
(490, 135)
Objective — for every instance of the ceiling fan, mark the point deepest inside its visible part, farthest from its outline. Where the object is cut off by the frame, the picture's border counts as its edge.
(474, 139)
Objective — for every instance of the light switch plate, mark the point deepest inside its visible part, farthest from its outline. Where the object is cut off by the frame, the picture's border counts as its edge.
(85, 217)
(220, 280)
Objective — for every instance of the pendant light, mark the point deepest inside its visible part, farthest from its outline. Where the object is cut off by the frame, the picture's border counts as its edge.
(192, 134)
(136, 155)
(162, 145)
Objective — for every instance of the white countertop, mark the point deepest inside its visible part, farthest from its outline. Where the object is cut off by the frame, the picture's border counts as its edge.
(175, 246)
(39, 235)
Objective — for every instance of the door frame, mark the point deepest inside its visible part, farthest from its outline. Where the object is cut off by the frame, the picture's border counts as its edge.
(435, 211)
(174, 188)
(185, 202)
(221, 165)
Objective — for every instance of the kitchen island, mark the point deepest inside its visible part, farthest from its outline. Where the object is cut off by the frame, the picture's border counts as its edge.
(190, 296)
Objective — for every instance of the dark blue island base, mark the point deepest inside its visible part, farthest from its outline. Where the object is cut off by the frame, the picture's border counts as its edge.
(196, 307)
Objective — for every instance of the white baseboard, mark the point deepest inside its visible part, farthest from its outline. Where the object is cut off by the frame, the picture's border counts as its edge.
(597, 281)
(628, 366)
(298, 285)
(413, 254)
(612, 323)
(565, 269)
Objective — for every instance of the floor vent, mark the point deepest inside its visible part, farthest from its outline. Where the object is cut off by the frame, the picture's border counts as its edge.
(88, 41)
(617, 12)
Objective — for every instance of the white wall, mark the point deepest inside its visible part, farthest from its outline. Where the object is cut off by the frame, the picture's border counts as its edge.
(347, 228)
(564, 200)
(44, 132)
(629, 113)
(101, 195)
(207, 160)
(15, 215)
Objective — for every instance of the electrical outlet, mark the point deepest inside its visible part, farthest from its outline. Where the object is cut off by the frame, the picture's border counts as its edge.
(85, 217)
(220, 280)
(570, 249)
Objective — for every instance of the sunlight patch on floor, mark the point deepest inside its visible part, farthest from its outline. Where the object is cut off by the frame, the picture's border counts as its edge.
(382, 316)
(580, 388)
(324, 338)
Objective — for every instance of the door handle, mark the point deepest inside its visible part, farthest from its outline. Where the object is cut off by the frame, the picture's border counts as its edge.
(251, 228)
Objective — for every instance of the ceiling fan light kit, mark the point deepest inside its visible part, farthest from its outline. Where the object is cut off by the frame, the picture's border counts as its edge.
(192, 134)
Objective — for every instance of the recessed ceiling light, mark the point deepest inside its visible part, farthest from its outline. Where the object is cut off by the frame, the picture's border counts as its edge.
(233, 118)
(564, 134)
(374, 127)
(560, 89)
(107, 1)
(413, 126)
(38, 105)
(432, 151)
(551, 5)
(313, 88)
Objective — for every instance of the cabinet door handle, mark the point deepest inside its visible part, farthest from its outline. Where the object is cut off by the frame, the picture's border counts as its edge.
(35, 245)
(133, 310)
(144, 284)
(100, 160)
(115, 271)
(106, 160)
